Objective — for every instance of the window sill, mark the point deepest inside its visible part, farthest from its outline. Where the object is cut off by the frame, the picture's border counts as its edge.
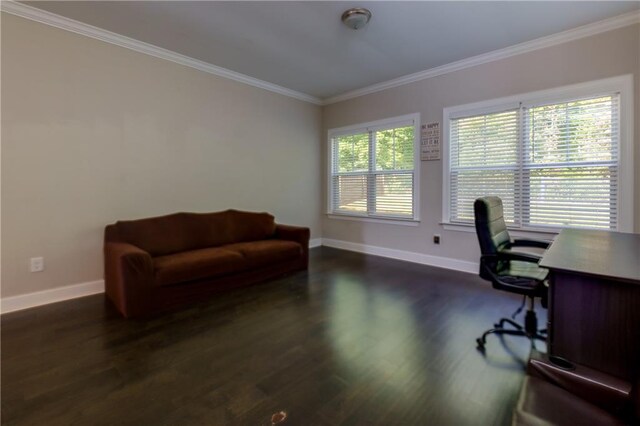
(514, 232)
(386, 221)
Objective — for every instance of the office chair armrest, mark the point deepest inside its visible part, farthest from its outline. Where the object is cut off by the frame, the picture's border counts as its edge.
(507, 254)
(529, 242)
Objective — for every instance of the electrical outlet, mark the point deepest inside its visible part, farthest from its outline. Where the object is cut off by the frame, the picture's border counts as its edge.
(37, 264)
(436, 239)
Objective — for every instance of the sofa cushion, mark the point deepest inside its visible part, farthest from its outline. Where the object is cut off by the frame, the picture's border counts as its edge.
(267, 252)
(230, 226)
(157, 235)
(208, 229)
(197, 264)
(249, 226)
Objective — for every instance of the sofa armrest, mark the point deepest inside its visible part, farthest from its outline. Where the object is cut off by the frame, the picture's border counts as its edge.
(128, 271)
(298, 234)
(607, 392)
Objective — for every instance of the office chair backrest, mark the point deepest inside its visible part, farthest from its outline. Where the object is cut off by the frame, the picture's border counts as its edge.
(490, 227)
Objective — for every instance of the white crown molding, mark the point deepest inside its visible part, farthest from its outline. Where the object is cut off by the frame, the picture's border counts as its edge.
(24, 11)
(48, 18)
(594, 28)
(409, 256)
(39, 298)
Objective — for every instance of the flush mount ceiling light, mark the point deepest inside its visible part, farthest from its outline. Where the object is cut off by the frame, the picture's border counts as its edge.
(356, 17)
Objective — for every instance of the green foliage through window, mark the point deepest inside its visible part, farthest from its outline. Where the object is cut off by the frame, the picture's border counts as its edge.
(373, 172)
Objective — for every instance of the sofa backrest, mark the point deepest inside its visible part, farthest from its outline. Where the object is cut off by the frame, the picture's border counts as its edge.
(250, 226)
(190, 231)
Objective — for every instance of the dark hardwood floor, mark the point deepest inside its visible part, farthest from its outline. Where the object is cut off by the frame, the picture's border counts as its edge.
(356, 339)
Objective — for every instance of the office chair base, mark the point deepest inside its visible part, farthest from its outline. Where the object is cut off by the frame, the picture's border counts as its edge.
(500, 324)
(530, 329)
(482, 341)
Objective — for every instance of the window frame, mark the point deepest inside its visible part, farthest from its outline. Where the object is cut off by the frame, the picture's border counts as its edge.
(621, 84)
(372, 126)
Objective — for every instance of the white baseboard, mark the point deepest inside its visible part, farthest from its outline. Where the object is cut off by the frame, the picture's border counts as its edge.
(315, 242)
(38, 298)
(409, 256)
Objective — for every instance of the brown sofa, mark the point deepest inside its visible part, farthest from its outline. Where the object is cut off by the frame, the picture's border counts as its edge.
(158, 263)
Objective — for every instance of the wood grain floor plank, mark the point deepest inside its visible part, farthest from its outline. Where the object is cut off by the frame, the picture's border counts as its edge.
(354, 340)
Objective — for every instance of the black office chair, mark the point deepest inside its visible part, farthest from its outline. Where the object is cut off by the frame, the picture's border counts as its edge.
(508, 269)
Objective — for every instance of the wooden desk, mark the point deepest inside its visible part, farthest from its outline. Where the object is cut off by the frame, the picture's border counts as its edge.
(594, 300)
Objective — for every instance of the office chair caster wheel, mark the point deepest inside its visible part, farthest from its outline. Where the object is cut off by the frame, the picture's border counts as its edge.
(480, 342)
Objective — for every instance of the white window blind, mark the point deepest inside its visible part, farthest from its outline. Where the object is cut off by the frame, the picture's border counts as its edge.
(373, 171)
(553, 164)
(570, 165)
(484, 160)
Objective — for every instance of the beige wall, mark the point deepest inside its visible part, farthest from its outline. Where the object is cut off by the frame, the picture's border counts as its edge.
(92, 133)
(605, 55)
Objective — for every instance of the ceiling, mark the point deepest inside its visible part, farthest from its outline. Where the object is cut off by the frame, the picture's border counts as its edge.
(302, 45)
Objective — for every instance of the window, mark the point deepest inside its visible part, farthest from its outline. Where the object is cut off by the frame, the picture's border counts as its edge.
(373, 169)
(554, 158)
